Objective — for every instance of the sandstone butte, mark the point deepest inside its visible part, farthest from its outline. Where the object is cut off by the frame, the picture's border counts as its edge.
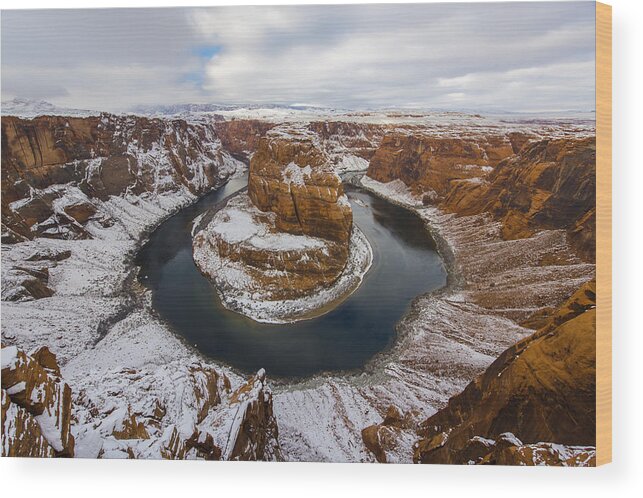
(290, 236)
(294, 180)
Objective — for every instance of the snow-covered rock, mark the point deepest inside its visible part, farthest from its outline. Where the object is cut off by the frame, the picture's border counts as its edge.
(274, 276)
(40, 396)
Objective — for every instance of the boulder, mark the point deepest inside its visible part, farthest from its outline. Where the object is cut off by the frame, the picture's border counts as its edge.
(386, 441)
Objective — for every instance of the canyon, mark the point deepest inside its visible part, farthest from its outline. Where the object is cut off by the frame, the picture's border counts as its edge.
(288, 247)
(510, 203)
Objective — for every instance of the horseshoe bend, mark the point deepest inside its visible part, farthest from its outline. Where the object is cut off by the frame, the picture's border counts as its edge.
(431, 275)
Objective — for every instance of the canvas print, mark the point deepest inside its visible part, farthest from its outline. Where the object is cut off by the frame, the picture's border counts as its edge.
(334, 233)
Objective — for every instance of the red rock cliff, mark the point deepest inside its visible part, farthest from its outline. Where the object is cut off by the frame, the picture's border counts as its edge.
(293, 179)
(543, 389)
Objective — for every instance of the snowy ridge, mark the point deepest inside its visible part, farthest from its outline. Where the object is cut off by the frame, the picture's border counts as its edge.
(27, 108)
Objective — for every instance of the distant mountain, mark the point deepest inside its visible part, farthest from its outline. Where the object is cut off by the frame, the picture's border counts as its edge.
(180, 109)
(28, 108)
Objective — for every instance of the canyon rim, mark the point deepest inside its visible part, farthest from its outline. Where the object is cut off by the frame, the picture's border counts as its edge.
(387, 255)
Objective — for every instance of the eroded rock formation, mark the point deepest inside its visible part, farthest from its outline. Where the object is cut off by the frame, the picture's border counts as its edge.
(430, 165)
(212, 421)
(288, 240)
(58, 176)
(550, 184)
(55, 168)
(526, 184)
(541, 389)
(296, 181)
(36, 405)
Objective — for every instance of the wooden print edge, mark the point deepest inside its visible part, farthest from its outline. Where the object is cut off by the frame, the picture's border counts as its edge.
(603, 233)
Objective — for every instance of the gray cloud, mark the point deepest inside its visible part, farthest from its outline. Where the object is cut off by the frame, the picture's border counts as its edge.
(513, 56)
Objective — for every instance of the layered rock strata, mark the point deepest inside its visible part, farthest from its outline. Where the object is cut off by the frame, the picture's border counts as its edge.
(296, 181)
(526, 184)
(136, 363)
(541, 389)
(57, 171)
(36, 405)
(288, 247)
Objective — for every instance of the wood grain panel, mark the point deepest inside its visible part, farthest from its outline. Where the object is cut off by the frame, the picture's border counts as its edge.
(603, 233)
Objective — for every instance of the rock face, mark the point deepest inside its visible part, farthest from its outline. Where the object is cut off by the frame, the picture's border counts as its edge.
(541, 389)
(230, 425)
(294, 180)
(241, 137)
(30, 280)
(550, 184)
(36, 405)
(526, 185)
(139, 394)
(288, 246)
(56, 168)
(254, 429)
(429, 165)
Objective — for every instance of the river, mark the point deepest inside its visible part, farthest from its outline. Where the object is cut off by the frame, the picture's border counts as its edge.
(405, 265)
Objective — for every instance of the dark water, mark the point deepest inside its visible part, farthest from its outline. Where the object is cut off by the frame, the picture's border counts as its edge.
(405, 265)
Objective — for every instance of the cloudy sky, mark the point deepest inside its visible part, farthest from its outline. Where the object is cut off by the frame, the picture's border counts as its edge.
(496, 56)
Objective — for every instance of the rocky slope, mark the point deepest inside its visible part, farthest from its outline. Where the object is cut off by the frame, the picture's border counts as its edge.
(430, 165)
(541, 389)
(56, 169)
(527, 183)
(288, 246)
(535, 403)
(211, 420)
(550, 184)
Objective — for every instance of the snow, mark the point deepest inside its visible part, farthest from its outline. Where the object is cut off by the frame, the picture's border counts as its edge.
(241, 223)
(351, 163)
(296, 175)
(396, 191)
(9, 357)
(16, 388)
(27, 108)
